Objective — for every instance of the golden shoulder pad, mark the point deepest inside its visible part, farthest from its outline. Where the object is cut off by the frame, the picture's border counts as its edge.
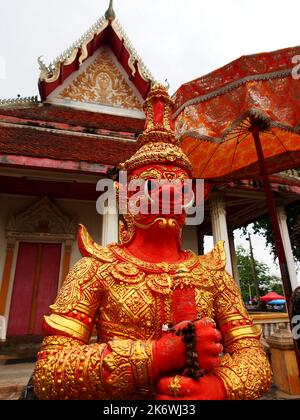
(215, 259)
(89, 248)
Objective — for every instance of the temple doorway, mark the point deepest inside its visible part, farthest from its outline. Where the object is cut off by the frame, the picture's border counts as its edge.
(35, 287)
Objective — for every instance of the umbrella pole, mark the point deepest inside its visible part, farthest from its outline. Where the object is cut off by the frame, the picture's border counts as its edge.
(274, 219)
(275, 224)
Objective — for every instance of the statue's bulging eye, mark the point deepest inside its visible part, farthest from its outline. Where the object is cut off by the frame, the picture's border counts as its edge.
(185, 189)
(150, 185)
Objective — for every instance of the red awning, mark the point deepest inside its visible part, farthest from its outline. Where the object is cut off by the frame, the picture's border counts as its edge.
(271, 296)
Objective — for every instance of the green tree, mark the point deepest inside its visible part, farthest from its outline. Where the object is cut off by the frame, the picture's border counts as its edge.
(265, 281)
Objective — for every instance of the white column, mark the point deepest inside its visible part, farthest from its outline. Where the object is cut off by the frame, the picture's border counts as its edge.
(219, 225)
(287, 246)
(110, 225)
(3, 326)
(234, 261)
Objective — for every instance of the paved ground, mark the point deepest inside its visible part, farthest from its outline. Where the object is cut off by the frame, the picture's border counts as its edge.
(13, 379)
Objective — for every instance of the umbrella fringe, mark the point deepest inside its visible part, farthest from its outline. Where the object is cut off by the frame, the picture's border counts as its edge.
(231, 86)
(251, 112)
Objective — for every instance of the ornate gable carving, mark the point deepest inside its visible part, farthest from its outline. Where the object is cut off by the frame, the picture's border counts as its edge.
(102, 83)
(43, 217)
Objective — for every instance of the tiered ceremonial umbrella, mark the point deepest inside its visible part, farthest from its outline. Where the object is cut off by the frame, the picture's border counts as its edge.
(243, 121)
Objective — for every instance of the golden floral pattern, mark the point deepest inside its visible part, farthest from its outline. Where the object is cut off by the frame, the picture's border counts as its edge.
(102, 83)
(246, 374)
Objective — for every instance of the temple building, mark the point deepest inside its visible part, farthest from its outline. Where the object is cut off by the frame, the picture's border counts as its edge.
(53, 151)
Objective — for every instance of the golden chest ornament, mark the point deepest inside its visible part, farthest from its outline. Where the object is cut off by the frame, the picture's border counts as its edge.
(137, 295)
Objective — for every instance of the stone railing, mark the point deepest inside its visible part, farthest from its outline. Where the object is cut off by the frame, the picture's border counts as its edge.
(269, 321)
(291, 173)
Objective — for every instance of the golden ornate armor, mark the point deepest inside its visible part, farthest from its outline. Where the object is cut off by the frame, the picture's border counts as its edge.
(129, 300)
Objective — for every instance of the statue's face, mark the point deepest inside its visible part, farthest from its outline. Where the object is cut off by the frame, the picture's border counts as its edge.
(164, 194)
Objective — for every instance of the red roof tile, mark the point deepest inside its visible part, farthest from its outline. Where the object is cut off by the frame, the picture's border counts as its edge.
(34, 142)
(49, 112)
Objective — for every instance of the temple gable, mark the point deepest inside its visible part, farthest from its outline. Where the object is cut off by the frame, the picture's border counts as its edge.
(102, 82)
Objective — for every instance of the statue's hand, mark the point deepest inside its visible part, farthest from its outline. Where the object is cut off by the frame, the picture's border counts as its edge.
(169, 352)
(178, 387)
(208, 344)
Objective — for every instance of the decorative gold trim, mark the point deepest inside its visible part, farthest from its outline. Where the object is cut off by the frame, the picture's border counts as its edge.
(141, 358)
(158, 152)
(84, 51)
(168, 308)
(190, 260)
(241, 332)
(228, 318)
(69, 326)
(91, 249)
(246, 374)
(233, 385)
(175, 386)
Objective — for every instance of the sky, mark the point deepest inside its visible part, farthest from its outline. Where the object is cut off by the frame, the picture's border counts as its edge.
(178, 40)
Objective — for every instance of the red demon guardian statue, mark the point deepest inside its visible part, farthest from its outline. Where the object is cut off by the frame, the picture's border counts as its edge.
(171, 324)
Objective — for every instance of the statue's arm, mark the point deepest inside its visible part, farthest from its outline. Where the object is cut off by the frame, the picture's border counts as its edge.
(69, 368)
(244, 370)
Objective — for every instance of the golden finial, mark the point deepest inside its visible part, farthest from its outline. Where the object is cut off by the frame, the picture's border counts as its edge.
(110, 13)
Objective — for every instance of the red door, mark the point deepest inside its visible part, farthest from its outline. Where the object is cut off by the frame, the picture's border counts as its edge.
(35, 287)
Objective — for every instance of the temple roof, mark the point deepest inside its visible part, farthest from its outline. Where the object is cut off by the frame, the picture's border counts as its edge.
(107, 32)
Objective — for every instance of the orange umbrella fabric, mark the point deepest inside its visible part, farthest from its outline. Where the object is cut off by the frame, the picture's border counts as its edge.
(217, 109)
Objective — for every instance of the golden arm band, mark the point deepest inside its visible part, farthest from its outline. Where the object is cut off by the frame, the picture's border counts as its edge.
(246, 373)
(130, 359)
(238, 333)
(70, 327)
(68, 369)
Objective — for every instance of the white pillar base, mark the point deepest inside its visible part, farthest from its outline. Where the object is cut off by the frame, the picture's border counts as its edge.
(287, 246)
(110, 226)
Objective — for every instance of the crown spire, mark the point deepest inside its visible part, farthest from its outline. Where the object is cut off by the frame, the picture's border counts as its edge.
(158, 142)
(110, 13)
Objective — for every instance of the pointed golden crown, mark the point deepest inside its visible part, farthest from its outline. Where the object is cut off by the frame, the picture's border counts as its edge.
(158, 141)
